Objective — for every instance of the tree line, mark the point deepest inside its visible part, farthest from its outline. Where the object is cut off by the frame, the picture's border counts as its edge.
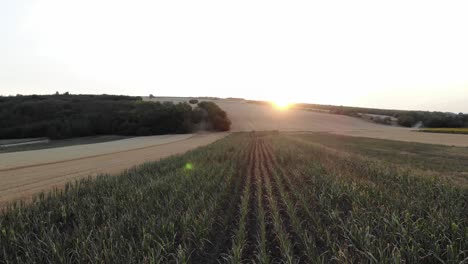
(411, 118)
(64, 116)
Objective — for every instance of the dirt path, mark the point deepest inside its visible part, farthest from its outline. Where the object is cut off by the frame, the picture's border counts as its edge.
(23, 182)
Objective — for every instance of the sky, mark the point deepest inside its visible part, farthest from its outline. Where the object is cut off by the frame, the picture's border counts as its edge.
(385, 54)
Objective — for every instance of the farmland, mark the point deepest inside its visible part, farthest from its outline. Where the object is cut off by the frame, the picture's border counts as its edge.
(45, 143)
(264, 197)
(446, 130)
(29, 169)
(262, 117)
(24, 174)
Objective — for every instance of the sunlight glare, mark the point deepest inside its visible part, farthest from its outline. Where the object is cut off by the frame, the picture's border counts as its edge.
(281, 104)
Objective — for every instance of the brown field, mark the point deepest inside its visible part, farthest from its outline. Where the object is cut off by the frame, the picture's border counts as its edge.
(22, 178)
(248, 117)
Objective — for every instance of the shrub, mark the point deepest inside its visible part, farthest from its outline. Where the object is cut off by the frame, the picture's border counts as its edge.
(216, 116)
(406, 120)
(382, 120)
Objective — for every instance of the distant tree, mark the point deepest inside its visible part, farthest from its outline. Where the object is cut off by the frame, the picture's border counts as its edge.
(382, 120)
(66, 93)
(57, 93)
(387, 120)
(406, 120)
(197, 115)
(151, 96)
(193, 101)
(86, 115)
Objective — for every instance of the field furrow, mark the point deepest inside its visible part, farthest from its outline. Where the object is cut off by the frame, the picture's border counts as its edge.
(304, 245)
(285, 246)
(252, 213)
(225, 214)
(263, 243)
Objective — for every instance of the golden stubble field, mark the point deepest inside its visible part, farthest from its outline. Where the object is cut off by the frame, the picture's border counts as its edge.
(247, 117)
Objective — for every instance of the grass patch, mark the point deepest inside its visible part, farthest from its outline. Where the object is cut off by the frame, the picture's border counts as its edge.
(446, 130)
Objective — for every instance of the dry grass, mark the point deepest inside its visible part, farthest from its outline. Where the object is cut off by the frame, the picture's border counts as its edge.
(446, 130)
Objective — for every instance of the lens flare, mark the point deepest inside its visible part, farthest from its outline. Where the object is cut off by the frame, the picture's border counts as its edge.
(188, 166)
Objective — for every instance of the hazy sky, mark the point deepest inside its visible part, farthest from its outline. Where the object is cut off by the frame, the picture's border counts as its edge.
(392, 54)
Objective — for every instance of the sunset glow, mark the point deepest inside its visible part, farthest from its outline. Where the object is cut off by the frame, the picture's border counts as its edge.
(339, 53)
(280, 104)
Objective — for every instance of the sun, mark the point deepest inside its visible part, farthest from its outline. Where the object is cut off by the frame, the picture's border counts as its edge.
(281, 104)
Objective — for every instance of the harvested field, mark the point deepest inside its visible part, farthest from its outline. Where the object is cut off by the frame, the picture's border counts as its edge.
(249, 198)
(23, 174)
(14, 160)
(249, 117)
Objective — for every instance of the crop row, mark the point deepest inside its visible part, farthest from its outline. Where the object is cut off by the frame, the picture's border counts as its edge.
(157, 213)
(251, 197)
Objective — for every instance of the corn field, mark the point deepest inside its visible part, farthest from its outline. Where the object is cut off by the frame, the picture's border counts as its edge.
(249, 198)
